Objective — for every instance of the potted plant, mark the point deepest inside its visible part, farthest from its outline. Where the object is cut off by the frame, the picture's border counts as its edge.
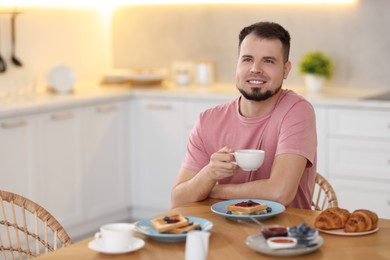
(317, 68)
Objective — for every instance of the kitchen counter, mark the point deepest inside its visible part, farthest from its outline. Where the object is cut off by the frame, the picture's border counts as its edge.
(82, 95)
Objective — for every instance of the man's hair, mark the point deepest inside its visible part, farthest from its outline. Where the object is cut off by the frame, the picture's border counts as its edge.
(268, 30)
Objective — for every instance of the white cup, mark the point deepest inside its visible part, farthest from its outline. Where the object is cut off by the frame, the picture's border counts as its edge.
(116, 236)
(249, 159)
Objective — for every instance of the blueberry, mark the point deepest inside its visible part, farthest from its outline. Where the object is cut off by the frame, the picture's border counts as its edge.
(229, 212)
(269, 209)
(262, 213)
(184, 232)
(198, 228)
(166, 218)
(249, 203)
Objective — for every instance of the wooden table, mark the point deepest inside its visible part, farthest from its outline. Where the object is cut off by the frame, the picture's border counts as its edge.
(228, 240)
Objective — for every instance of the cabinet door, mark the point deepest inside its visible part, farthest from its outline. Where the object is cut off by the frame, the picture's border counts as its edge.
(17, 155)
(355, 194)
(157, 151)
(59, 176)
(321, 139)
(104, 172)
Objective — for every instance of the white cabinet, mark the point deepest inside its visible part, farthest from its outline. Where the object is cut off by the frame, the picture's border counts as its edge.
(59, 170)
(17, 157)
(321, 116)
(158, 146)
(358, 160)
(71, 161)
(104, 173)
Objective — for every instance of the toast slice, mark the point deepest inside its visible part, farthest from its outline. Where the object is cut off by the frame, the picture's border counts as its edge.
(185, 229)
(167, 223)
(246, 207)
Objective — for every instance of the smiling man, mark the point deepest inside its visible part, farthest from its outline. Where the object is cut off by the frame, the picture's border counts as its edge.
(265, 117)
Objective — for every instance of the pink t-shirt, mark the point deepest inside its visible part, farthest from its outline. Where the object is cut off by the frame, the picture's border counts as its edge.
(289, 128)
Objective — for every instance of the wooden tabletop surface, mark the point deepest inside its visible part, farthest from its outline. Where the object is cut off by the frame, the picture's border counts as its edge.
(227, 240)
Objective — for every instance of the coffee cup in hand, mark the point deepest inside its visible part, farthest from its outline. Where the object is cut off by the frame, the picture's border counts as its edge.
(249, 159)
(116, 236)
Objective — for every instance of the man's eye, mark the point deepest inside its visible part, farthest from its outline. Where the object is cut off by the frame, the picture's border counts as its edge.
(269, 61)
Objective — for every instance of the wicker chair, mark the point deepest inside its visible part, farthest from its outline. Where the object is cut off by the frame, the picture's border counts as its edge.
(324, 195)
(28, 230)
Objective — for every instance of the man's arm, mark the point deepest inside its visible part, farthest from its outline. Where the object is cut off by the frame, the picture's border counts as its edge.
(281, 187)
(191, 186)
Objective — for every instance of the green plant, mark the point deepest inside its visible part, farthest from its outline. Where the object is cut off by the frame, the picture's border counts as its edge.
(317, 63)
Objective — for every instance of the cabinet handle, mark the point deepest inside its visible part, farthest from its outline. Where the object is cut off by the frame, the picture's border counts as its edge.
(106, 109)
(62, 116)
(15, 124)
(159, 106)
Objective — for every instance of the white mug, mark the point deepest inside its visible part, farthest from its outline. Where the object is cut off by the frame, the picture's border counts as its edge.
(116, 236)
(249, 159)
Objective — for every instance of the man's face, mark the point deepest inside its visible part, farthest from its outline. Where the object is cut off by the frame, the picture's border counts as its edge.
(260, 68)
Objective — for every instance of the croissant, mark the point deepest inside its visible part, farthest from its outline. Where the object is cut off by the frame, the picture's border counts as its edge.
(361, 220)
(332, 218)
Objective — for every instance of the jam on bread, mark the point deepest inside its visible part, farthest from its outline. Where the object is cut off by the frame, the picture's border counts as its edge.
(248, 207)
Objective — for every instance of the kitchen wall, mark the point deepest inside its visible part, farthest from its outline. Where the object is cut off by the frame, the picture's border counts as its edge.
(46, 37)
(354, 36)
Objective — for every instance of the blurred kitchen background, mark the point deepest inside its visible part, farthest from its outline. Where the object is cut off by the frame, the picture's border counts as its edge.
(101, 36)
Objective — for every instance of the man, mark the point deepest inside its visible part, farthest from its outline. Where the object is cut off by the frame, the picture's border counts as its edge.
(264, 117)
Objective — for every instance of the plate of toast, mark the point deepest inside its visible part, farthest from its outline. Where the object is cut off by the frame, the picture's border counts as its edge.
(245, 209)
(172, 228)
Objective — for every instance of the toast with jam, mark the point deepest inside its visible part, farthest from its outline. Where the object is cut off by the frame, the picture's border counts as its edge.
(166, 223)
(248, 207)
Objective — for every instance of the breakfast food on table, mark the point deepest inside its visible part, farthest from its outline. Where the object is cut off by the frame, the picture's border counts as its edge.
(185, 229)
(248, 207)
(174, 224)
(167, 223)
(332, 218)
(361, 220)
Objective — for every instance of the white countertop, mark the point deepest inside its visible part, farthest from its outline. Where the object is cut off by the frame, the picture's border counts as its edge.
(46, 101)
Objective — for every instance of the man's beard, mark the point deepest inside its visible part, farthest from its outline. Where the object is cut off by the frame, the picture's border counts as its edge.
(256, 94)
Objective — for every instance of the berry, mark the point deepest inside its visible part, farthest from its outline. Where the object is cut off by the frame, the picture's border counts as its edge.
(269, 209)
(250, 203)
(198, 228)
(229, 212)
(166, 218)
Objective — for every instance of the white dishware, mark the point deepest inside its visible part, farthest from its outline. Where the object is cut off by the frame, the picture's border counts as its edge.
(281, 242)
(341, 232)
(249, 159)
(197, 245)
(204, 74)
(116, 236)
(259, 244)
(61, 79)
(99, 246)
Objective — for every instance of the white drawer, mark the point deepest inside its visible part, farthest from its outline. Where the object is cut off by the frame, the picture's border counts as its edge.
(359, 158)
(352, 195)
(359, 123)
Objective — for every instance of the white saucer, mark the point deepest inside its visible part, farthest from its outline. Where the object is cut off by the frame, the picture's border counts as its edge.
(97, 245)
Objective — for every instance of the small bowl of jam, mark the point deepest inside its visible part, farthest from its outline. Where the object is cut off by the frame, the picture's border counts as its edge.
(274, 231)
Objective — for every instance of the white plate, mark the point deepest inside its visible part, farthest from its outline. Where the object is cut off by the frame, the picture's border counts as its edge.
(341, 232)
(97, 245)
(145, 227)
(61, 78)
(220, 208)
(259, 244)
